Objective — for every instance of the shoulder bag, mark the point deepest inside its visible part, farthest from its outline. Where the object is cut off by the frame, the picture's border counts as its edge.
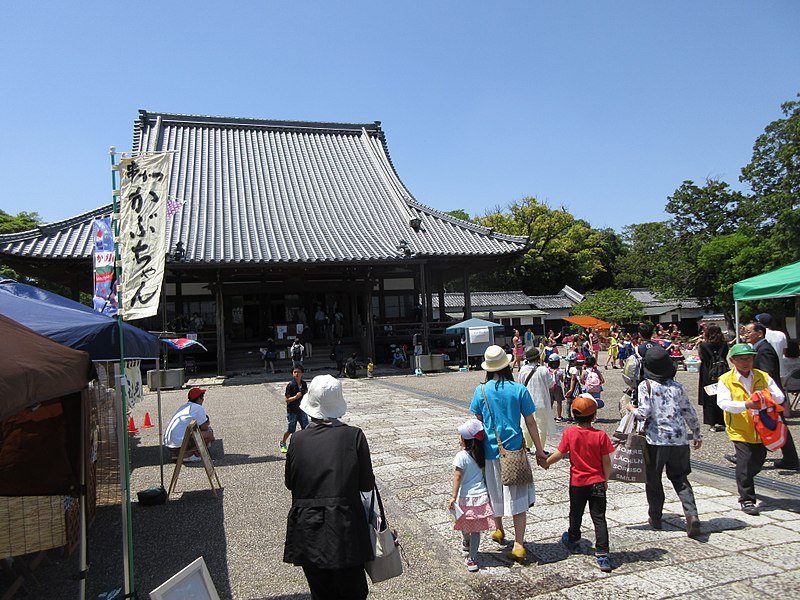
(514, 466)
(385, 547)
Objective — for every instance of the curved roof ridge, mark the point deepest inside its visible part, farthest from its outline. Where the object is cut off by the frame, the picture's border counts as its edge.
(413, 203)
(46, 228)
(374, 127)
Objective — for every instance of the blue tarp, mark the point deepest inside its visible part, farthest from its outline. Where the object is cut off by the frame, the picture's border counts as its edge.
(73, 324)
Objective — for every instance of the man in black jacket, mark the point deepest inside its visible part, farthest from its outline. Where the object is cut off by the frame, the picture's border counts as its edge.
(767, 359)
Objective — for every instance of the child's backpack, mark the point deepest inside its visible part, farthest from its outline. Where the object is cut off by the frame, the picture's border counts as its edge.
(555, 377)
(719, 366)
(768, 421)
(632, 370)
(593, 383)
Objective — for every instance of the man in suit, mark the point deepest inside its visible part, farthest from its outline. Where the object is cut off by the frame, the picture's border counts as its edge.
(767, 360)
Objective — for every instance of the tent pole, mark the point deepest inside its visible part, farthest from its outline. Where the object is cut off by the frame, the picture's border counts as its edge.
(83, 497)
(736, 316)
(160, 433)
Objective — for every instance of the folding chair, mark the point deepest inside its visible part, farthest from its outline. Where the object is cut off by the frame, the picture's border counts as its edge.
(792, 387)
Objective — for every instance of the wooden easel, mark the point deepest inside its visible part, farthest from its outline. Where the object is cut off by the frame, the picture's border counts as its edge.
(193, 433)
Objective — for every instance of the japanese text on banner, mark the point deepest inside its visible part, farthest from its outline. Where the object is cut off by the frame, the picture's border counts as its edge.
(105, 284)
(144, 182)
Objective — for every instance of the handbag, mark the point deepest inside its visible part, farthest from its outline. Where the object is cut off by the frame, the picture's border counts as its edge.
(629, 459)
(383, 540)
(514, 466)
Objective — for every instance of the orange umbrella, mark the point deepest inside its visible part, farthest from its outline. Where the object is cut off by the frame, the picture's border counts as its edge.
(589, 322)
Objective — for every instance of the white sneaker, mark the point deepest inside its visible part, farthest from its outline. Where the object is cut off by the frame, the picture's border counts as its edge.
(192, 459)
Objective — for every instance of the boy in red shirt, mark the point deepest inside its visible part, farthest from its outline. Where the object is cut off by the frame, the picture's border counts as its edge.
(590, 452)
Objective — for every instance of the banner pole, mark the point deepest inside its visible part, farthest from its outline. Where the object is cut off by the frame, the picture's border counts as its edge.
(125, 473)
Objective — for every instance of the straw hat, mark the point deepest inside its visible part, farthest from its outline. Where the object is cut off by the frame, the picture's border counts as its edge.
(324, 399)
(495, 359)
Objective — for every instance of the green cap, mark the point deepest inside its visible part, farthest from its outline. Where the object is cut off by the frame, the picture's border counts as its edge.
(741, 350)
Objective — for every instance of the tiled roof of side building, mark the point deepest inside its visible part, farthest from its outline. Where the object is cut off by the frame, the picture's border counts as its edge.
(259, 191)
(478, 299)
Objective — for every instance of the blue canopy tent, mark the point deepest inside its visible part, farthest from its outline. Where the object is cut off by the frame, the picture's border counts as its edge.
(74, 324)
(470, 323)
(478, 335)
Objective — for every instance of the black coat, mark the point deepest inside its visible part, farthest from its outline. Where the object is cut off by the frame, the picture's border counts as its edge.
(712, 414)
(327, 467)
(766, 359)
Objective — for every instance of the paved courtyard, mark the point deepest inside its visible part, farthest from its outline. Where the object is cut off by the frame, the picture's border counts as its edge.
(410, 424)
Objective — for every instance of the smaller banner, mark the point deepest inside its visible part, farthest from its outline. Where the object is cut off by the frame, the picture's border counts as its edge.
(105, 285)
(134, 392)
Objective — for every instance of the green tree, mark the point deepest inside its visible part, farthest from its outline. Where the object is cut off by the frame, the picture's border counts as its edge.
(653, 259)
(21, 222)
(704, 212)
(613, 305)
(459, 214)
(12, 224)
(561, 249)
(774, 176)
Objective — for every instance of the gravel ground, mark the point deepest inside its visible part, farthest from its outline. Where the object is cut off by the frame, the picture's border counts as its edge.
(240, 533)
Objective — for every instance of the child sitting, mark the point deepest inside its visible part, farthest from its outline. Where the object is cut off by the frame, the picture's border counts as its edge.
(590, 452)
(469, 491)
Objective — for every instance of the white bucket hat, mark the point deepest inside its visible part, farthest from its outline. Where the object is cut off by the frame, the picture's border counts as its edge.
(495, 359)
(324, 399)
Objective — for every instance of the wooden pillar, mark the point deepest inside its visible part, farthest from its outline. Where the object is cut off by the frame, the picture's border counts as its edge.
(426, 301)
(441, 300)
(368, 327)
(467, 300)
(221, 367)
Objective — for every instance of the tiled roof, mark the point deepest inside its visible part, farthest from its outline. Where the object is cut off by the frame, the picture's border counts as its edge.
(651, 300)
(281, 192)
(478, 299)
(552, 302)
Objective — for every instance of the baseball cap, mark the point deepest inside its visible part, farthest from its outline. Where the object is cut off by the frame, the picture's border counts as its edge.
(195, 393)
(471, 429)
(584, 405)
(741, 350)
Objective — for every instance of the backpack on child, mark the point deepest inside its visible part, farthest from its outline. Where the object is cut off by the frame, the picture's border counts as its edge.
(632, 370)
(593, 382)
(719, 366)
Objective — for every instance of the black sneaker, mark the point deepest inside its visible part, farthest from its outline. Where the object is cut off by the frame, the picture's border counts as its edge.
(731, 458)
(655, 523)
(749, 508)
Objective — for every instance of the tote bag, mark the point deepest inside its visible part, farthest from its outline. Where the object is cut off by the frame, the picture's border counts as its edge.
(388, 562)
(628, 459)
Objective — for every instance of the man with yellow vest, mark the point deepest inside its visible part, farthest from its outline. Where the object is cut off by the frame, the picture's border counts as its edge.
(733, 396)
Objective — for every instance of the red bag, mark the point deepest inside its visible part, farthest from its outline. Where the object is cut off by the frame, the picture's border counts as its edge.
(769, 421)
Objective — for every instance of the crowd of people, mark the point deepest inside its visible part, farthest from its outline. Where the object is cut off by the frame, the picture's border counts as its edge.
(328, 463)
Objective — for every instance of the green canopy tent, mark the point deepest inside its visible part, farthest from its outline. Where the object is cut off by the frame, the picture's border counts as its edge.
(780, 283)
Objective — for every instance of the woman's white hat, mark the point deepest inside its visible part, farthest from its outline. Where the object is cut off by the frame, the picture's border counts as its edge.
(495, 359)
(324, 399)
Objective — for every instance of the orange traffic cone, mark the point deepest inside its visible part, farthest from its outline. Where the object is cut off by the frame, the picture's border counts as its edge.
(132, 426)
(147, 422)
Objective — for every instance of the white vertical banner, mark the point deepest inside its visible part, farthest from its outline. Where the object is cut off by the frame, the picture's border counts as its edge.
(144, 182)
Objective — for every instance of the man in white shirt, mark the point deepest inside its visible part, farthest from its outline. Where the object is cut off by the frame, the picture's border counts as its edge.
(776, 338)
(191, 410)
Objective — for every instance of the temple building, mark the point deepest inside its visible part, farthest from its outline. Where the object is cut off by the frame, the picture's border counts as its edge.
(287, 229)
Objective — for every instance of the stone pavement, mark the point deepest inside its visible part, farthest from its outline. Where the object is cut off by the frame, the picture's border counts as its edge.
(410, 424)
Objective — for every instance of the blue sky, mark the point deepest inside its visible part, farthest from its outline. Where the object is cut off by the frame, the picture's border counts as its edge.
(601, 107)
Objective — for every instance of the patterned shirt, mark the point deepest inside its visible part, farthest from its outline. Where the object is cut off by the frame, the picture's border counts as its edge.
(667, 410)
